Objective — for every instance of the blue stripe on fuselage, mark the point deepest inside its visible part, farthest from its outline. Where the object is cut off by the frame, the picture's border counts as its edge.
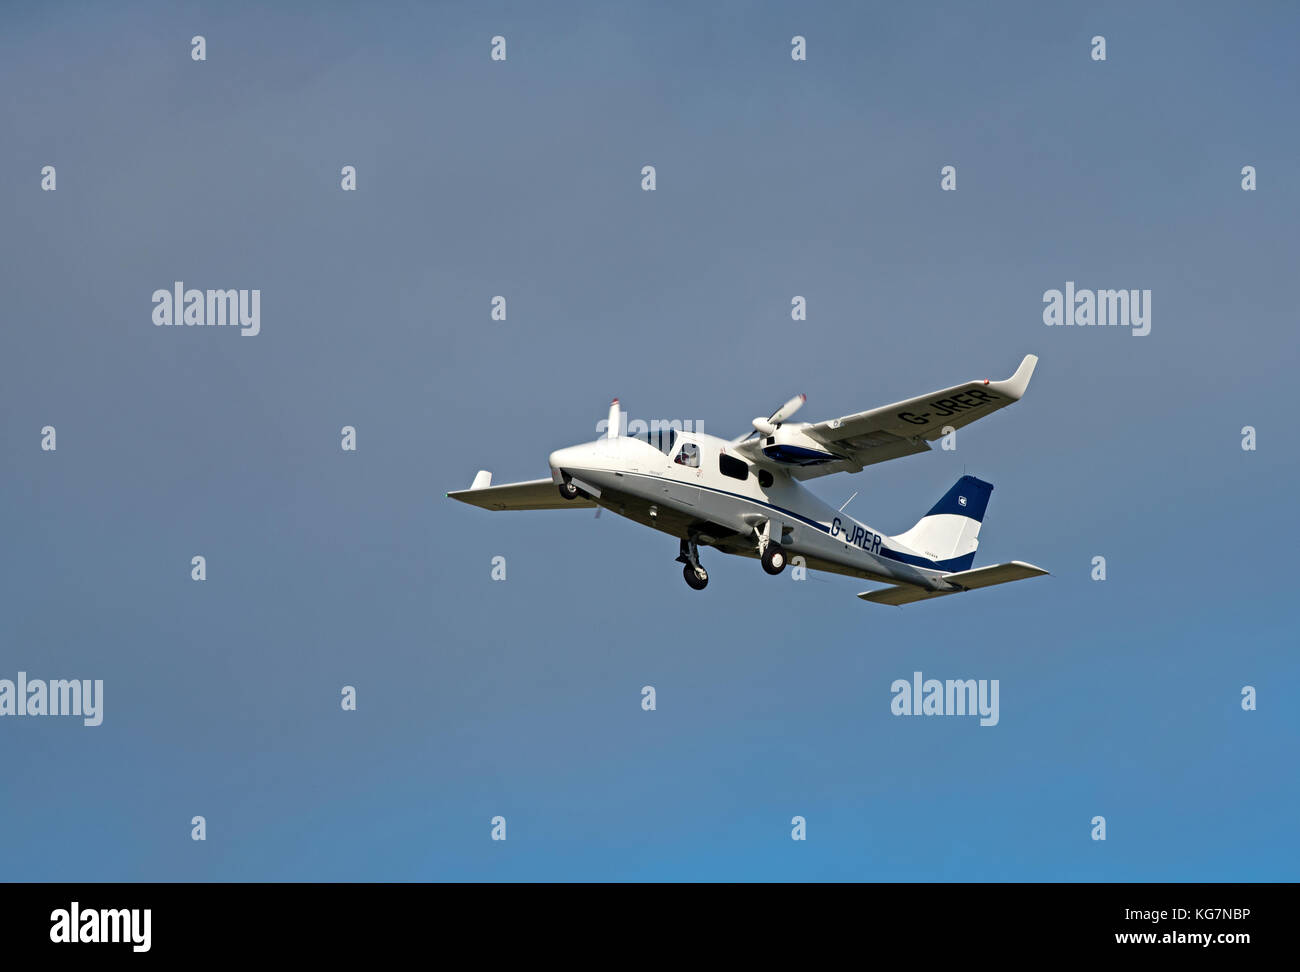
(950, 566)
(857, 530)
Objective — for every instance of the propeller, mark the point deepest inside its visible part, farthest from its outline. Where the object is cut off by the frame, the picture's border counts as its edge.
(766, 426)
(612, 429)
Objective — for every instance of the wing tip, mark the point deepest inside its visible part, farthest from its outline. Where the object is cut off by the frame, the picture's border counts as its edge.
(1015, 386)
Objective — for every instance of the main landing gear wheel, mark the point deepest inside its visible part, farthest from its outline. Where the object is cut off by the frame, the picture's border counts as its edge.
(773, 558)
(695, 575)
(569, 491)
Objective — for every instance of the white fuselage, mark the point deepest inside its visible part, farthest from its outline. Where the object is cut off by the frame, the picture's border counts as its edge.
(634, 478)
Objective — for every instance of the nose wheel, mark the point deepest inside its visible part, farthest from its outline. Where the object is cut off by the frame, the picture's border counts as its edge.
(568, 490)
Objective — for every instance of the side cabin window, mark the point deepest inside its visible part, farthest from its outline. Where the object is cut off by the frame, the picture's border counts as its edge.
(733, 467)
(689, 455)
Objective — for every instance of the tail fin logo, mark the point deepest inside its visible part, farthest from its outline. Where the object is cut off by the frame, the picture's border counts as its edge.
(961, 500)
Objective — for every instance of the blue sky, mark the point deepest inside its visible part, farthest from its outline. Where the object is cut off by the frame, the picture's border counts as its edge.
(522, 698)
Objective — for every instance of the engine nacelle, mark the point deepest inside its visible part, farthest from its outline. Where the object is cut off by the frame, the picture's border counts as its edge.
(788, 444)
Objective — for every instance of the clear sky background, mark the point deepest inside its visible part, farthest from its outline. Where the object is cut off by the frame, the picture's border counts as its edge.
(521, 178)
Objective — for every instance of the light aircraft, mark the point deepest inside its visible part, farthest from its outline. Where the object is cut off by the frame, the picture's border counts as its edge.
(745, 496)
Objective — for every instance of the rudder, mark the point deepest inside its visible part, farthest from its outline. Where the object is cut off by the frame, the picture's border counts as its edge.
(949, 533)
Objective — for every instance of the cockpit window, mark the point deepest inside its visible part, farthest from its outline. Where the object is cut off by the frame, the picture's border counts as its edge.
(689, 455)
(661, 439)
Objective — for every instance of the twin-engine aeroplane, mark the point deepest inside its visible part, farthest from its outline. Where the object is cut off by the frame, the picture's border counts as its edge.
(745, 496)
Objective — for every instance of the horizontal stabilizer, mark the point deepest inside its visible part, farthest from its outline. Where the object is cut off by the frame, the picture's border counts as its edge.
(966, 580)
(901, 595)
(536, 494)
(996, 574)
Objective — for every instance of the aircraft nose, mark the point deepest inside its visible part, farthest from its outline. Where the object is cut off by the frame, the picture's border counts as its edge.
(563, 458)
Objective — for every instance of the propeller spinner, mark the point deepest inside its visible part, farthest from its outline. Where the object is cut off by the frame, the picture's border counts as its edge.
(766, 426)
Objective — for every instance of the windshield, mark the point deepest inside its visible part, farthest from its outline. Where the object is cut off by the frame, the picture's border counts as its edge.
(661, 439)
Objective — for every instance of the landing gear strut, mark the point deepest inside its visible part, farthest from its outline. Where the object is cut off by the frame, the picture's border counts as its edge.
(696, 576)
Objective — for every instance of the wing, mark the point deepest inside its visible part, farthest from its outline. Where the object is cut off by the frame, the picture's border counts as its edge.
(849, 443)
(536, 494)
